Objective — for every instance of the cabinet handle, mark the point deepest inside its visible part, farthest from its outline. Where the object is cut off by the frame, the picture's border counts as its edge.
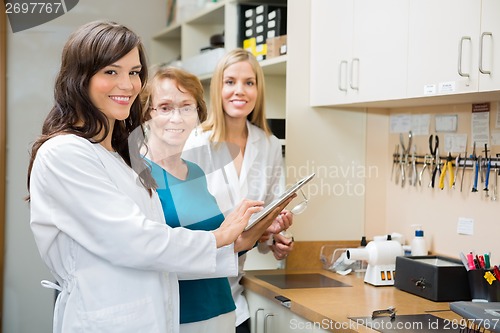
(343, 63)
(481, 69)
(460, 51)
(256, 318)
(265, 320)
(353, 87)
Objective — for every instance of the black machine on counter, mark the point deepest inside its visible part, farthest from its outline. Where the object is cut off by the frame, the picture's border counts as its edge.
(436, 278)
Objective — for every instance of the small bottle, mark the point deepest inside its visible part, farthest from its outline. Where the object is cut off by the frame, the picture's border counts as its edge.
(418, 245)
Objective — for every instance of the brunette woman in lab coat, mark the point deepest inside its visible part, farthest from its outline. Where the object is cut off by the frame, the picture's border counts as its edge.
(95, 212)
(244, 158)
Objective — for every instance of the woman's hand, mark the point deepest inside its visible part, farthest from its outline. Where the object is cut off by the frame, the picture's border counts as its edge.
(282, 246)
(236, 221)
(248, 238)
(282, 222)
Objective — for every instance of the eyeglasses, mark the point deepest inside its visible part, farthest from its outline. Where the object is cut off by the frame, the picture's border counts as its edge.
(184, 111)
(301, 207)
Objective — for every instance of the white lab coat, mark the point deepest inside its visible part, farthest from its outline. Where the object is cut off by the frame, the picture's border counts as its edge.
(105, 240)
(261, 178)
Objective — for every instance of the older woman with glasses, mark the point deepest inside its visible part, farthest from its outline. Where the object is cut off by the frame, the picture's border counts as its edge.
(174, 107)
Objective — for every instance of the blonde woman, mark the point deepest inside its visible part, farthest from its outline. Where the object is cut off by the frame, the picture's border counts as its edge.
(239, 154)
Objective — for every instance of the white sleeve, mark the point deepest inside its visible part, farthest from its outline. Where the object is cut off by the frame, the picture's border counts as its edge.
(73, 194)
(226, 265)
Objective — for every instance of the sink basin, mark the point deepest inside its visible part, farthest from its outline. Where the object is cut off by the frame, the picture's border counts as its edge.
(294, 281)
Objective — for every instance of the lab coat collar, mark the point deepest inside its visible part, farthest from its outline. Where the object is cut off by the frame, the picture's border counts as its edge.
(251, 151)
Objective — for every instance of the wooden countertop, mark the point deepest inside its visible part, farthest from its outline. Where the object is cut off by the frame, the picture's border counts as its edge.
(319, 305)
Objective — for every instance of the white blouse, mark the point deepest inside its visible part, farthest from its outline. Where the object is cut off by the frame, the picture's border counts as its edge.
(262, 177)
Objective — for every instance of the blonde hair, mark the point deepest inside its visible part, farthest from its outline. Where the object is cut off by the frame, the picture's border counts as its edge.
(216, 120)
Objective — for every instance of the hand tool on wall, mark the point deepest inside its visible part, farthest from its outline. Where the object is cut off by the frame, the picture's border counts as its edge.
(495, 182)
(448, 167)
(457, 162)
(427, 162)
(495, 185)
(413, 173)
(476, 167)
(487, 170)
(463, 169)
(396, 152)
(434, 149)
(487, 177)
(405, 151)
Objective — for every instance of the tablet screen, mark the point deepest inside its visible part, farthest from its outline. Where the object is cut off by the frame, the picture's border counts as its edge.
(285, 195)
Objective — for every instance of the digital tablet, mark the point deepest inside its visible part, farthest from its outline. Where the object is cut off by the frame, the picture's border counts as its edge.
(257, 217)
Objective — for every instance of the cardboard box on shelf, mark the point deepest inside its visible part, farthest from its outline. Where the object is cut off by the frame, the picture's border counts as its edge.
(276, 46)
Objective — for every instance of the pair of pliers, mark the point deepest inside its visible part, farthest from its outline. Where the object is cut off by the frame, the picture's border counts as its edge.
(448, 166)
(405, 152)
(434, 149)
(427, 161)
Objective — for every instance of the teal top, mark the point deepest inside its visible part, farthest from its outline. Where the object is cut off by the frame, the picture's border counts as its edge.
(188, 203)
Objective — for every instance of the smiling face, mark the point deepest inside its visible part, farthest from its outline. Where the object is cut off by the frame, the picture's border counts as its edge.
(171, 130)
(239, 90)
(114, 88)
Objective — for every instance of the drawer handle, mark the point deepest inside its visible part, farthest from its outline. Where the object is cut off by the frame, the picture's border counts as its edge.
(265, 320)
(257, 318)
(421, 283)
(481, 68)
(460, 51)
(342, 65)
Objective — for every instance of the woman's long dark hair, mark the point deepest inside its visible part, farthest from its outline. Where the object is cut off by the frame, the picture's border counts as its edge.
(92, 47)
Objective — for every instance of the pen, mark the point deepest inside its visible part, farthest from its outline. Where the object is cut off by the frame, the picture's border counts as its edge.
(496, 272)
(470, 261)
(476, 263)
(482, 264)
(487, 261)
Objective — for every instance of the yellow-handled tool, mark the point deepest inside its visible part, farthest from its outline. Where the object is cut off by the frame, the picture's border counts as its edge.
(448, 166)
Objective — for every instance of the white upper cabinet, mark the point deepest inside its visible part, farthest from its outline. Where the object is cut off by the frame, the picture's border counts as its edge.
(489, 43)
(400, 53)
(331, 51)
(358, 51)
(452, 48)
(443, 47)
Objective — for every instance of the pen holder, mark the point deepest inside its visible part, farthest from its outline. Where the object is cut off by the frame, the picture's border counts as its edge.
(480, 288)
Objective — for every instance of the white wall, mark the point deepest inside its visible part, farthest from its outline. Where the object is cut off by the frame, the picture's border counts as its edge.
(330, 142)
(33, 57)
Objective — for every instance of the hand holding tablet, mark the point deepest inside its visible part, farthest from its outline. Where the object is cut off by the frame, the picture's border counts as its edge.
(257, 217)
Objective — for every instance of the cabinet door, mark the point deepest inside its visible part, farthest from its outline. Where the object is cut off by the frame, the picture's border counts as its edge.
(268, 316)
(443, 47)
(358, 51)
(265, 316)
(331, 51)
(381, 45)
(489, 54)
